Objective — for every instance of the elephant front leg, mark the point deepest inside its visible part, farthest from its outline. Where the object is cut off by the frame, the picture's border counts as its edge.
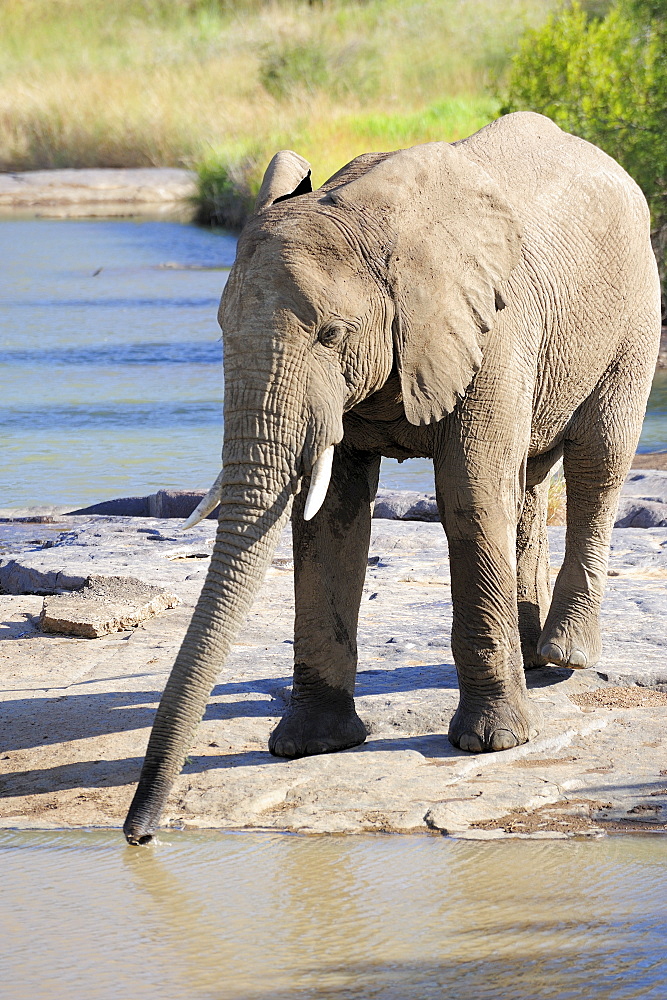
(330, 559)
(495, 711)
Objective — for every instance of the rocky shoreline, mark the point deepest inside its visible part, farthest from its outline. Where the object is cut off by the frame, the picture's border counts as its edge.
(643, 503)
(103, 192)
(78, 710)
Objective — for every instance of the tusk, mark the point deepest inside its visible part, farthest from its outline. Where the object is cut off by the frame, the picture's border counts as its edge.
(319, 483)
(205, 506)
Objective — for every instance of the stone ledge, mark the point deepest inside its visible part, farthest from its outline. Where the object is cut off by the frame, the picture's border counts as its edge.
(104, 191)
(642, 505)
(104, 604)
(77, 711)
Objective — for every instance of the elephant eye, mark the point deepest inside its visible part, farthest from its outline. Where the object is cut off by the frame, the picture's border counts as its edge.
(332, 334)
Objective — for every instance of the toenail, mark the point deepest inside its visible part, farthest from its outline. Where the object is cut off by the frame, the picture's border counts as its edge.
(471, 743)
(552, 652)
(578, 659)
(503, 739)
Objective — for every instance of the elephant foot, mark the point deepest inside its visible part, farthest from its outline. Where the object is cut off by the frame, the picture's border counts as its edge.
(308, 730)
(569, 648)
(490, 726)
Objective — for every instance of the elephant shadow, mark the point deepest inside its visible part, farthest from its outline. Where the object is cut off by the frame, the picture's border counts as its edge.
(39, 722)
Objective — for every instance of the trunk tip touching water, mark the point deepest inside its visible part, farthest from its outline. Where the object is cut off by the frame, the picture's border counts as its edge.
(137, 839)
(137, 834)
(238, 565)
(146, 808)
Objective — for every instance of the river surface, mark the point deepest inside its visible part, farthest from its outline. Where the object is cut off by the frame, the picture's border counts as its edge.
(278, 917)
(111, 362)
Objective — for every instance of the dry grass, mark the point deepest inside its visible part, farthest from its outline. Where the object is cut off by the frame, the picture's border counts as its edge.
(219, 85)
(557, 502)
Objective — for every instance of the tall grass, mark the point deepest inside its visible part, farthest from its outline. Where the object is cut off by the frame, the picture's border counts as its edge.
(218, 85)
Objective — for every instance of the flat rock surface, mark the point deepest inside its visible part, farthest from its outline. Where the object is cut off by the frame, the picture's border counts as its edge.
(109, 191)
(643, 503)
(77, 712)
(104, 604)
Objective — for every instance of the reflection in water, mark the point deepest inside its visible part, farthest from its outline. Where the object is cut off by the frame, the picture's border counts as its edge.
(111, 352)
(249, 916)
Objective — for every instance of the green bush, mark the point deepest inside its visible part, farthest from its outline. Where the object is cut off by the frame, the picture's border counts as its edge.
(304, 67)
(231, 175)
(292, 68)
(227, 188)
(605, 79)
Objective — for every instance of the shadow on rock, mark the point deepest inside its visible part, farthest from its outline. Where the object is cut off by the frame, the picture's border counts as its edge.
(85, 774)
(433, 745)
(539, 677)
(43, 722)
(100, 774)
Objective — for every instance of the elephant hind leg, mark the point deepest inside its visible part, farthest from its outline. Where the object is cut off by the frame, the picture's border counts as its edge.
(598, 451)
(532, 556)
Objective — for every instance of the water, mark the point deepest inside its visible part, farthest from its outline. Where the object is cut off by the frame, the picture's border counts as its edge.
(240, 916)
(111, 382)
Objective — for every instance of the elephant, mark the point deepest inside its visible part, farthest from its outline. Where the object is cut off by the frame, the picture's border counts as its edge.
(491, 304)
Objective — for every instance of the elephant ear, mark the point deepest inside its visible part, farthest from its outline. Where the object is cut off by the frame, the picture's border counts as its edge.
(287, 176)
(453, 239)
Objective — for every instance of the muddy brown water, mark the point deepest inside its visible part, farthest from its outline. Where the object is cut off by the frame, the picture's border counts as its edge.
(251, 915)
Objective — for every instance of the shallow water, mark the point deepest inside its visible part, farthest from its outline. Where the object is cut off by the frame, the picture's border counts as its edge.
(111, 382)
(207, 915)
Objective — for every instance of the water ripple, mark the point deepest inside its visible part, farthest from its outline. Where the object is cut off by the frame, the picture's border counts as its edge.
(118, 415)
(179, 353)
(118, 303)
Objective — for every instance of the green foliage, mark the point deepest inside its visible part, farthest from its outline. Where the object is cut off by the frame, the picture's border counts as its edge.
(227, 188)
(230, 177)
(646, 10)
(605, 80)
(449, 119)
(219, 85)
(296, 68)
(292, 68)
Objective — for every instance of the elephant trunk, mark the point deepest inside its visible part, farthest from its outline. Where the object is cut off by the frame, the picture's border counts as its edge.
(252, 516)
(278, 420)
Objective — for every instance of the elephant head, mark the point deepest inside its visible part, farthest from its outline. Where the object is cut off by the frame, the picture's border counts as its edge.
(395, 264)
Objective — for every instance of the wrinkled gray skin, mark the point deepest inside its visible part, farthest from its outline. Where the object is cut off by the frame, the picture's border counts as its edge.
(492, 305)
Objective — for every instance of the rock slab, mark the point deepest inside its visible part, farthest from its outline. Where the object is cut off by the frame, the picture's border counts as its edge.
(77, 712)
(105, 604)
(104, 191)
(643, 503)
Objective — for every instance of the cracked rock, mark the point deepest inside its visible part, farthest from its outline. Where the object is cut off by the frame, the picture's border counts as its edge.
(105, 604)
